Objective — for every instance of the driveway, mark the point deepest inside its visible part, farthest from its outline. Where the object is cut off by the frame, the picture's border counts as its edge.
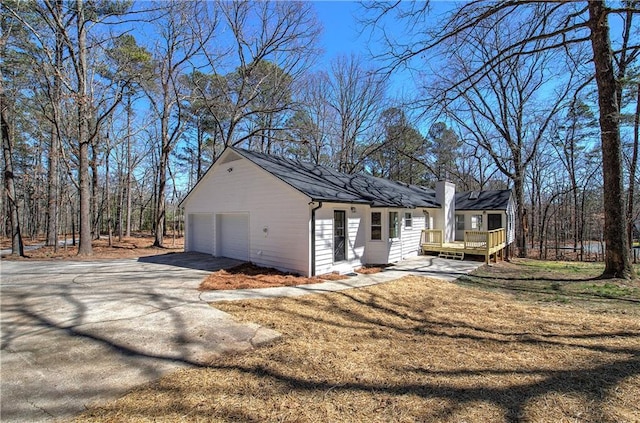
(74, 333)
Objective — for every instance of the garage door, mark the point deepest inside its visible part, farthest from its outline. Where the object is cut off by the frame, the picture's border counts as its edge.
(201, 233)
(233, 235)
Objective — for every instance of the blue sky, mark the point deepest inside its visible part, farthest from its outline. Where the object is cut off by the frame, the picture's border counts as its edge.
(343, 35)
(340, 33)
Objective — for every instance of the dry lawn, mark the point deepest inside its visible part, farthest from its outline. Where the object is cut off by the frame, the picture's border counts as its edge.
(412, 350)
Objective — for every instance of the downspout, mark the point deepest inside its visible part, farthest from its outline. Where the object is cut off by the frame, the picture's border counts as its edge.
(313, 237)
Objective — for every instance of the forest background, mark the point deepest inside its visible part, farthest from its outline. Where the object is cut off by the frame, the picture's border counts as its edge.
(112, 110)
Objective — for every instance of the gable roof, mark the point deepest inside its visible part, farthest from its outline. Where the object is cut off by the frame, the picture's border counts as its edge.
(483, 200)
(324, 184)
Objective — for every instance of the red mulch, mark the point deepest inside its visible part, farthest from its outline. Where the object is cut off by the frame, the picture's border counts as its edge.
(248, 275)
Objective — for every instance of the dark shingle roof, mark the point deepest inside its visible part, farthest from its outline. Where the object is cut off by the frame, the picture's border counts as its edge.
(324, 184)
(486, 200)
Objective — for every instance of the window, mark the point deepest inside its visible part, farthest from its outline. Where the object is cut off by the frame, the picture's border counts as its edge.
(459, 222)
(408, 220)
(393, 225)
(376, 226)
(476, 222)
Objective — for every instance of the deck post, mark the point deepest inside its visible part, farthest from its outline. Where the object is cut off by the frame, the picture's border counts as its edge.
(489, 246)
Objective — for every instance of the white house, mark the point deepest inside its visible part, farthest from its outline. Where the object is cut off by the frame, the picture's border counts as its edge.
(309, 219)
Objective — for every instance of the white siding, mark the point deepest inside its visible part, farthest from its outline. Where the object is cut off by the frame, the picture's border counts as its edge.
(411, 236)
(392, 250)
(279, 216)
(511, 221)
(356, 238)
(484, 213)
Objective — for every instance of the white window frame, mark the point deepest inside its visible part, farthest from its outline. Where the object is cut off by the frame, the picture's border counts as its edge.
(476, 222)
(408, 220)
(379, 225)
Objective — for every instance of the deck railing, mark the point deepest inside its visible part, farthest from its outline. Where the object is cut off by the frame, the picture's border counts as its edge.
(431, 237)
(484, 239)
(486, 243)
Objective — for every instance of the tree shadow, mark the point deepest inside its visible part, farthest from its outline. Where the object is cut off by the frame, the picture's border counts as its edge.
(67, 343)
(616, 357)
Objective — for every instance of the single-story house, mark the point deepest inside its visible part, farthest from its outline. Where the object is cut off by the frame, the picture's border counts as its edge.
(309, 219)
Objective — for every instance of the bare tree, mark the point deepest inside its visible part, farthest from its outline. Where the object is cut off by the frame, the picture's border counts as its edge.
(272, 46)
(560, 25)
(309, 126)
(502, 109)
(182, 34)
(356, 95)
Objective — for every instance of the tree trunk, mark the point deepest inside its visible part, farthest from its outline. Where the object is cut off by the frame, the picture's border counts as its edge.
(53, 200)
(107, 193)
(632, 170)
(17, 248)
(95, 207)
(85, 248)
(522, 227)
(128, 169)
(162, 177)
(617, 263)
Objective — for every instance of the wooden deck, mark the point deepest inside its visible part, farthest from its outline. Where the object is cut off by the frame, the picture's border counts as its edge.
(482, 243)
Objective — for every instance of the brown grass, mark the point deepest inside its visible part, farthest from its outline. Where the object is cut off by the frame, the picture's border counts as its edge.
(248, 275)
(412, 350)
(131, 247)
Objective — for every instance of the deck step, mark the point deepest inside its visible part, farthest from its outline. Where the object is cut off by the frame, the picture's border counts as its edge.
(458, 255)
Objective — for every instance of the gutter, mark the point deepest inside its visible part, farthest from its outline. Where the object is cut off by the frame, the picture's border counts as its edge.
(313, 237)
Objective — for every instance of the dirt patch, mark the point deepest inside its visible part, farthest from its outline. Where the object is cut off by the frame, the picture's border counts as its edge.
(129, 247)
(248, 275)
(411, 350)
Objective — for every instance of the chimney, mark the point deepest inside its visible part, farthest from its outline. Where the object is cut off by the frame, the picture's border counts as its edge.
(446, 196)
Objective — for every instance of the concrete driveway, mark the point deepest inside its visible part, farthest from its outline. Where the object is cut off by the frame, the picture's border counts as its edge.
(74, 333)
(77, 333)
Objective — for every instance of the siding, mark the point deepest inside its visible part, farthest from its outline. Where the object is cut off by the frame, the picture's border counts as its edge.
(390, 251)
(356, 238)
(411, 236)
(279, 216)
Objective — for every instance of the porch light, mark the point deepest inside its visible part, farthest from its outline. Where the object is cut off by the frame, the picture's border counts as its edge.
(353, 209)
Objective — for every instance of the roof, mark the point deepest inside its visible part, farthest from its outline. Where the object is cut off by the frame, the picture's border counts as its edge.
(483, 200)
(324, 184)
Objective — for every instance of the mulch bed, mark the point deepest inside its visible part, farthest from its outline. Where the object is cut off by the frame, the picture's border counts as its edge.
(249, 275)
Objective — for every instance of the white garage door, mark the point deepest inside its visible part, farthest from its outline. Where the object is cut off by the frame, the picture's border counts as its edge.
(201, 233)
(233, 235)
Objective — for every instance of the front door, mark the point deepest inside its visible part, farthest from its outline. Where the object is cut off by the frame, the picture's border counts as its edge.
(339, 235)
(494, 221)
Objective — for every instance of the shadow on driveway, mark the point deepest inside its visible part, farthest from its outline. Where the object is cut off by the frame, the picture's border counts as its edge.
(79, 332)
(191, 260)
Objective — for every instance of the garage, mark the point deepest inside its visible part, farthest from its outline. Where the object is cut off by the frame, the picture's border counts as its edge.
(201, 232)
(233, 235)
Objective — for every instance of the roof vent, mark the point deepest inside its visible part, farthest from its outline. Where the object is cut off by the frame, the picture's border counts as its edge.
(474, 195)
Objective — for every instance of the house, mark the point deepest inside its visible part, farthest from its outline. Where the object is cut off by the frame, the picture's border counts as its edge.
(309, 219)
(485, 211)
